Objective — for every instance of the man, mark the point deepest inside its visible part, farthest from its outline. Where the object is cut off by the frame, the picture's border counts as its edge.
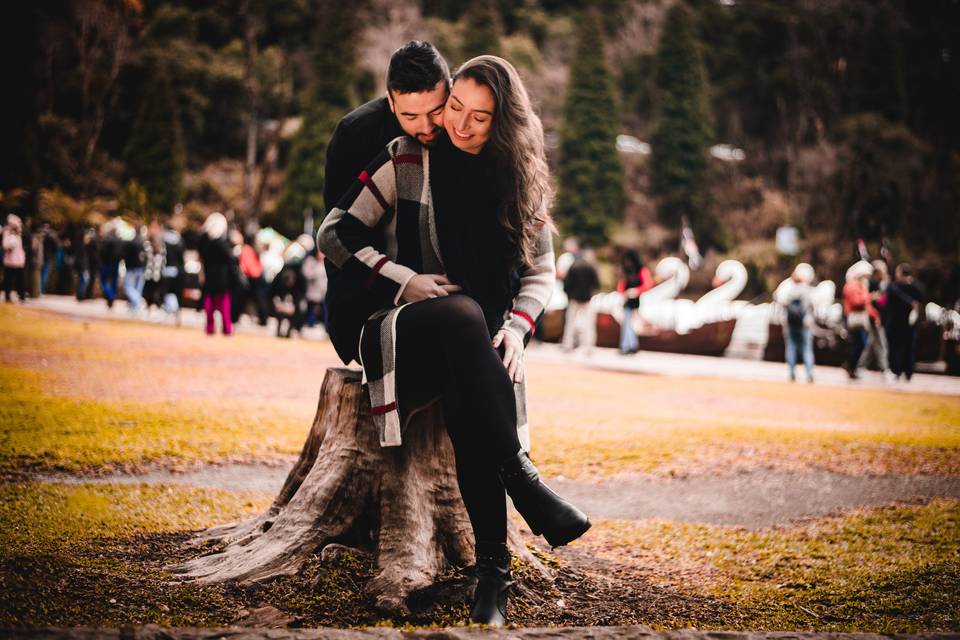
(580, 283)
(904, 295)
(876, 350)
(418, 81)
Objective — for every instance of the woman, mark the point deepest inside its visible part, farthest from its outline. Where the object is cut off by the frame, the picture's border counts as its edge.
(437, 294)
(634, 281)
(315, 278)
(14, 258)
(794, 295)
(859, 313)
(219, 272)
(154, 261)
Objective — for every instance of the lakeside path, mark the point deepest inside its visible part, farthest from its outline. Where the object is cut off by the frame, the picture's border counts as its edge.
(645, 362)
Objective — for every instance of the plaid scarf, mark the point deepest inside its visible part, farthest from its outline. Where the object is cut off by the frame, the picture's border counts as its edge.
(386, 235)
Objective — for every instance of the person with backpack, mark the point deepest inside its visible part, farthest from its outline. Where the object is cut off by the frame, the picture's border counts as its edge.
(794, 297)
(634, 281)
(858, 312)
(580, 283)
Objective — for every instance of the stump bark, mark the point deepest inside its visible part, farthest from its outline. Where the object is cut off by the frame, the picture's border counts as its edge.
(401, 504)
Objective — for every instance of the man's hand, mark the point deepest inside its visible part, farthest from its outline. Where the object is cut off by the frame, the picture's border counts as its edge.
(427, 285)
(512, 353)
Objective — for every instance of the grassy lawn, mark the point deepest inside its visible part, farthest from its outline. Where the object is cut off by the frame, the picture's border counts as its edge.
(91, 397)
(85, 396)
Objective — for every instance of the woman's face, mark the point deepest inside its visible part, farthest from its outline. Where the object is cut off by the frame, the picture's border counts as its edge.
(468, 117)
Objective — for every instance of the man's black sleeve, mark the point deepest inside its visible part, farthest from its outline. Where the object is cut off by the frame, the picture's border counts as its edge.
(338, 175)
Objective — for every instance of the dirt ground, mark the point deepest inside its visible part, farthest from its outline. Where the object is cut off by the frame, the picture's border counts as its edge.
(723, 504)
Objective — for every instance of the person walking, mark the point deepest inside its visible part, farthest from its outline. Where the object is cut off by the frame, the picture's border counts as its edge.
(580, 283)
(858, 313)
(111, 249)
(315, 277)
(82, 256)
(257, 288)
(634, 281)
(219, 272)
(904, 296)
(876, 350)
(14, 259)
(172, 275)
(134, 262)
(154, 260)
(795, 299)
(51, 254)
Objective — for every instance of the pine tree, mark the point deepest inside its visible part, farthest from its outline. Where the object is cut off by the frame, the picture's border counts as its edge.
(682, 132)
(591, 196)
(303, 186)
(878, 74)
(327, 98)
(481, 30)
(155, 154)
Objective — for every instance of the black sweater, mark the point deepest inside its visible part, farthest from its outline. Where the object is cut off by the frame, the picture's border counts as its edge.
(473, 244)
(358, 139)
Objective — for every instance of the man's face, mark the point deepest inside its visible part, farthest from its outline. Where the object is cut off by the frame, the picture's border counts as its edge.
(420, 114)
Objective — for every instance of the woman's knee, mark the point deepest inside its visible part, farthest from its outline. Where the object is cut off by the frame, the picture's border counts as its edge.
(460, 312)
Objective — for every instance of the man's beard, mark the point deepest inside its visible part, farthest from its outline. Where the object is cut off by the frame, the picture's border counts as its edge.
(429, 141)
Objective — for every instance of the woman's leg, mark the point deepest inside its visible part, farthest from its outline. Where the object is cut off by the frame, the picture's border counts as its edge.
(225, 313)
(808, 353)
(444, 348)
(628, 339)
(208, 311)
(790, 343)
(7, 282)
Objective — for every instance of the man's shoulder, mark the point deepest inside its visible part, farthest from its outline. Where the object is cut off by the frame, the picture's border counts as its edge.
(370, 114)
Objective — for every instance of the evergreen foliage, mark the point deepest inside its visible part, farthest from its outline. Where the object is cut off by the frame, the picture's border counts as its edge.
(591, 195)
(329, 96)
(155, 155)
(481, 30)
(881, 179)
(680, 172)
(878, 75)
(303, 185)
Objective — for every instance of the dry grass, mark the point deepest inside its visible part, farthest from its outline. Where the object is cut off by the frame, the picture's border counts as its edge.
(80, 395)
(595, 423)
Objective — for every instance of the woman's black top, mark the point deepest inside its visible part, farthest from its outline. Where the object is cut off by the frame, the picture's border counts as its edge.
(219, 265)
(476, 252)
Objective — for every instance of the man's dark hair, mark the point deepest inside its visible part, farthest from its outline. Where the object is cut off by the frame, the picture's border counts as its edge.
(415, 67)
(905, 269)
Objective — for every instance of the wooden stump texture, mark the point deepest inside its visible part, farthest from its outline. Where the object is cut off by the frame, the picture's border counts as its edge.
(400, 503)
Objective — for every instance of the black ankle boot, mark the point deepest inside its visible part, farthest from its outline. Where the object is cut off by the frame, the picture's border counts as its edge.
(489, 604)
(559, 521)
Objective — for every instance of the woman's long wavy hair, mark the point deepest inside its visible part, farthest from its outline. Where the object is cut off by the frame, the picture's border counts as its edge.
(516, 143)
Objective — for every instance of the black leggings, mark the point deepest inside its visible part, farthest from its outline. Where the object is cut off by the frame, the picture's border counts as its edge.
(444, 349)
(13, 279)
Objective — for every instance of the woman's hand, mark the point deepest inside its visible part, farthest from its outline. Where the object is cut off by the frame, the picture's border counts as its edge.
(427, 285)
(512, 353)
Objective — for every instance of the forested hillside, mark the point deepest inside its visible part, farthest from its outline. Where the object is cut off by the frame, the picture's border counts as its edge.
(837, 117)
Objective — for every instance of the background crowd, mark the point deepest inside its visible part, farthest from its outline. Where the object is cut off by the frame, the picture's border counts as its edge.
(169, 264)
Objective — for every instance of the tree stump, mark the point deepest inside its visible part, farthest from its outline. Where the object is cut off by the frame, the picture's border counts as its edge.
(400, 503)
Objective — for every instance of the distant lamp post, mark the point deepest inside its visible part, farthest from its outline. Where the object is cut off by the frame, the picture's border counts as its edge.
(788, 240)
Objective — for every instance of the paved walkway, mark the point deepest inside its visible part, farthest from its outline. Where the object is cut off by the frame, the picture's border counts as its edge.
(683, 365)
(646, 362)
(97, 309)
